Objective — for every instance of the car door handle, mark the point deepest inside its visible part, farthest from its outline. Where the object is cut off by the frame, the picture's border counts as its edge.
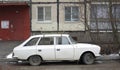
(58, 49)
(39, 50)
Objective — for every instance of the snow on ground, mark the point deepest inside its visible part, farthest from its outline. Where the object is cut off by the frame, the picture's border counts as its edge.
(9, 56)
(114, 55)
(109, 57)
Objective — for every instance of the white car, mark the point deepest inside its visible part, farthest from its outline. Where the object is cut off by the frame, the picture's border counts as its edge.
(55, 47)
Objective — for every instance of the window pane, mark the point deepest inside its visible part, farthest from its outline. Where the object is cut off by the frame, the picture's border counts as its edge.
(67, 13)
(75, 14)
(65, 40)
(46, 41)
(73, 39)
(40, 14)
(100, 16)
(59, 40)
(99, 11)
(47, 13)
(93, 11)
(102, 11)
(32, 42)
(116, 11)
(62, 41)
(118, 25)
(101, 25)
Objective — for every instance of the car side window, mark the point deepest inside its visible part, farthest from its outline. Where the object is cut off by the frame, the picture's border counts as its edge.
(32, 42)
(62, 40)
(46, 41)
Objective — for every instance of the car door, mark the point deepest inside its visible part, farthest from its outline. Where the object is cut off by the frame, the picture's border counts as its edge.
(28, 49)
(46, 48)
(64, 50)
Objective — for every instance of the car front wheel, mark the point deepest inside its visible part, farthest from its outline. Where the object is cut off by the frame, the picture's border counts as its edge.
(35, 60)
(88, 58)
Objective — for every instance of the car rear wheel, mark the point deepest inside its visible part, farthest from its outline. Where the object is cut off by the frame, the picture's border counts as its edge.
(35, 60)
(88, 58)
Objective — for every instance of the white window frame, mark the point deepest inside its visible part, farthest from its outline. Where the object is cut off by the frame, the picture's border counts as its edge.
(44, 21)
(71, 19)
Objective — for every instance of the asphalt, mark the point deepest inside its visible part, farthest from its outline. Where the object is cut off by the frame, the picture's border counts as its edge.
(7, 46)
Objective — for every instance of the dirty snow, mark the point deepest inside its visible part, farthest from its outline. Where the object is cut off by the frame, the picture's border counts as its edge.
(9, 56)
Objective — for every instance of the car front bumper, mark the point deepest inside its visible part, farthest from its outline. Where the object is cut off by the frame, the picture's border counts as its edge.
(11, 57)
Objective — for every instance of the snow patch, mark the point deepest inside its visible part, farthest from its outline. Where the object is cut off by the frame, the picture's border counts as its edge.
(9, 56)
(114, 55)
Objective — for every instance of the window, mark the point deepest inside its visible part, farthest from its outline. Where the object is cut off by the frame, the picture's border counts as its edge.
(99, 11)
(44, 13)
(116, 11)
(73, 39)
(32, 42)
(100, 17)
(62, 41)
(46, 41)
(72, 13)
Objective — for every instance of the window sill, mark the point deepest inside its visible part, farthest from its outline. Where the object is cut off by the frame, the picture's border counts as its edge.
(72, 21)
(103, 31)
(44, 22)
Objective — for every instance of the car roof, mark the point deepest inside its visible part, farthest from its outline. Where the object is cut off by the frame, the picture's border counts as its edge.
(50, 35)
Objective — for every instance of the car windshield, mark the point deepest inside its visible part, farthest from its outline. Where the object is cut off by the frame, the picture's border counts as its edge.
(72, 40)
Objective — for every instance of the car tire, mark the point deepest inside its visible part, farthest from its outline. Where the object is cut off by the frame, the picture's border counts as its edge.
(88, 58)
(35, 60)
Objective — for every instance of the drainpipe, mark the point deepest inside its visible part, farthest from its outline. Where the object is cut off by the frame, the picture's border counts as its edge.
(85, 7)
(30, 3)
(57, 15)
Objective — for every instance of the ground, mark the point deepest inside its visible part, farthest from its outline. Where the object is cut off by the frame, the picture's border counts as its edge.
(101, 65)
(110, 62)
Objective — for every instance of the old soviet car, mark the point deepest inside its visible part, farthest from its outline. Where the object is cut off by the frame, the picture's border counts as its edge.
(55, 47)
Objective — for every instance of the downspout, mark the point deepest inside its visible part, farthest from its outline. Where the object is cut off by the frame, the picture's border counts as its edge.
(57, 15)
(30, 14)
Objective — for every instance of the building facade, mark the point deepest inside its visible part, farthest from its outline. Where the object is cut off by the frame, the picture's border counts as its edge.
(49, 16)
(44, 15)
(76, 17)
